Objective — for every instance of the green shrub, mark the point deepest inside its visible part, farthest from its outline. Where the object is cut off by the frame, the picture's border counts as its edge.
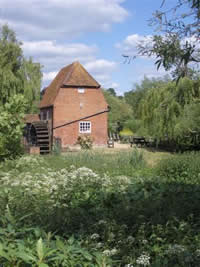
(11, 127)
(56, 149)
(85, 141)
(137, 158)
(183, 167)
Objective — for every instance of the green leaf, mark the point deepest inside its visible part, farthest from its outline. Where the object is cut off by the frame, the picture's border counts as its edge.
(40, 249)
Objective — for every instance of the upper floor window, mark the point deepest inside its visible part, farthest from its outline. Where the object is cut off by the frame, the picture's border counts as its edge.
(81, 90)
(84, 127)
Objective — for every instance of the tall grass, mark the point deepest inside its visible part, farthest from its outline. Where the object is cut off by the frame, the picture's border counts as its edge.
(122, 163)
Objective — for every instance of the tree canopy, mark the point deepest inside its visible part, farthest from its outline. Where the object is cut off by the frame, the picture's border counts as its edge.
(18, 75)
(120, 111)
(165, 110)
(20, 82)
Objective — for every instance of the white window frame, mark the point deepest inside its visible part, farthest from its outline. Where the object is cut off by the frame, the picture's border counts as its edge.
(81, 90)
(85, 127)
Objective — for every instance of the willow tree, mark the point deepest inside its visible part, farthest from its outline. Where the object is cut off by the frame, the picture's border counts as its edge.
(17, 74)
(165, 109)
(31, 71)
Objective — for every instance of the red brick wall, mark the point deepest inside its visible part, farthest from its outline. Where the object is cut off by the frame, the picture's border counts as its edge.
(71, 105)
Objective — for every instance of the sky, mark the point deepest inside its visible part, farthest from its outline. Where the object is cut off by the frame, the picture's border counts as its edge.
(94, 32)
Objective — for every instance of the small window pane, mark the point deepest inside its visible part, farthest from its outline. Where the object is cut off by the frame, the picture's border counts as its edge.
(81, 90)
(85, 127)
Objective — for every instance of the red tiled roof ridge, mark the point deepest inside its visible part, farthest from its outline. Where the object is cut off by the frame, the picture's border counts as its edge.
(74, 75)
(76, 68)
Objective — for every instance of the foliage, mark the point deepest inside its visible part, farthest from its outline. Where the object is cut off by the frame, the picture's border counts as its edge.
(137, 94)
(112, 91)
(166, 109)
(126, 132)
(135, 99)
(185, 167)
(85, 141)
(18, 75)
(181, 19)
(172, 53)
(177, 46)
(32, 83)
(137, 159)
(76, 217)
(11, 127)
(120, 111)
(56, 149)
(43, 249)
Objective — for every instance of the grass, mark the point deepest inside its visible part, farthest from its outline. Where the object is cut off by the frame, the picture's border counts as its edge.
(109, 161)
(105, 157)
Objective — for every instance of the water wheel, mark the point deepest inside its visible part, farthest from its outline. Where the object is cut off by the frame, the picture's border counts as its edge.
(39, 134)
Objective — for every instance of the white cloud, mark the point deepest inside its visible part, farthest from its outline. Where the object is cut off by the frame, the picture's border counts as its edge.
(49, 76)
(129, 45)
(64, 19)
(51, 48)
(100, 65)
(53, 55)
(114, 85)
(48, 28)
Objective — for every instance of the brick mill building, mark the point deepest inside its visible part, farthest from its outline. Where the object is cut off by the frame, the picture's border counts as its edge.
(72, 105)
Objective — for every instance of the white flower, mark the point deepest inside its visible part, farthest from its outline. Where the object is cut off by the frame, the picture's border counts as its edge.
(107, 252)
(143, 260)
(113, 251)
(94, 236)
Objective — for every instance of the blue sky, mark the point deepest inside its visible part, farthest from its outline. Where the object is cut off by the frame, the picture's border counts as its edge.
(94, 32)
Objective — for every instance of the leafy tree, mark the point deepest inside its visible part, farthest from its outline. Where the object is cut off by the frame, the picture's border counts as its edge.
(177, 47)
(32, 83)
(172, 53)
(17, 74)
(135, 96)
(11, 126)
(112, 91)
(119, 113)
(20, 81)
(167, 110)
(181, 19)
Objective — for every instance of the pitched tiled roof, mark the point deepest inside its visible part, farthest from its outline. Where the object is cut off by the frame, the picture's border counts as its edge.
(73, 75)
(29, 118)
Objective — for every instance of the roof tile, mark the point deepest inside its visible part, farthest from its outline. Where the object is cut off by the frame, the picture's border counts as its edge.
(73, 75)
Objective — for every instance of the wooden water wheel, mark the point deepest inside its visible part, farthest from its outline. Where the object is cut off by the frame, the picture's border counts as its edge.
(39, 136)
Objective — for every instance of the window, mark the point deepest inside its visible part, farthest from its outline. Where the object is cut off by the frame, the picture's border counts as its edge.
(48, 115)
(43, 115)
(81, 90)
(85, 127)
